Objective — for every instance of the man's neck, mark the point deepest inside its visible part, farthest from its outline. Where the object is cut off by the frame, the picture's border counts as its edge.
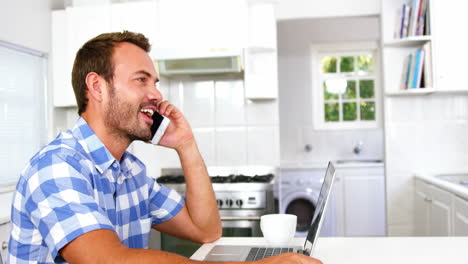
(112, 140)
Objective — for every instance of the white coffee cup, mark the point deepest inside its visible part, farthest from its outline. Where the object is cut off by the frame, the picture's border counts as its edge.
(278, 229)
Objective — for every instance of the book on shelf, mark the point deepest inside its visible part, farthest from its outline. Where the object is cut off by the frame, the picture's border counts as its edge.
(405, 73)
(413, 19)
(417, 69)
(427, 70)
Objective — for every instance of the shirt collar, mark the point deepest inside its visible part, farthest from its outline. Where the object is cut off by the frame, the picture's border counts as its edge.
(101, 156)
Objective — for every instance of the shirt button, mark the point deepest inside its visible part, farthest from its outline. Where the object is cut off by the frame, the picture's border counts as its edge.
(115, 165)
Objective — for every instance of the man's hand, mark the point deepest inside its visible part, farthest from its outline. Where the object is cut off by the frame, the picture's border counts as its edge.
(289, 258)
(178, 133)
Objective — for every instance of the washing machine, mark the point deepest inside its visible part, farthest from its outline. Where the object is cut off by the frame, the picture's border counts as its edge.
(299, 190)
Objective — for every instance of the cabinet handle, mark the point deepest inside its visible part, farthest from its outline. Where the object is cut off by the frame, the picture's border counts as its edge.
(427, 200)
(4, 245)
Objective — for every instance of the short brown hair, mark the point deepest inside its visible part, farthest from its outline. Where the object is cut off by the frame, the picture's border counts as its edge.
(96, 56)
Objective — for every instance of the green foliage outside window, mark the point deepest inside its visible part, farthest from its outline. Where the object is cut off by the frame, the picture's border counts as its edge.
(350, 92)
(366, 88)
(329, 65)
(367, 111)
(332, 112)
(349, 111)
(347, 64)
(364, 63)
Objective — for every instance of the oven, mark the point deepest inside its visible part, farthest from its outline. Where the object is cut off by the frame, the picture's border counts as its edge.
(241, 201)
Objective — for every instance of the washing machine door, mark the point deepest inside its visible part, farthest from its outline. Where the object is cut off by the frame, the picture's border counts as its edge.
(302, 204)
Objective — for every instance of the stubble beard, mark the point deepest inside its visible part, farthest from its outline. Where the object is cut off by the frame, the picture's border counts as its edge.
(123, 119)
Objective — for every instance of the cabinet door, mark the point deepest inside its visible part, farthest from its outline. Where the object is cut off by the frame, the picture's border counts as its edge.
(338, 200)
(61, 64)
(4, 236)
(440, 212)
(140, 17)
(421, 209)
(460, 217)
(449, 43)
(202, 23)
(84, 23)
(364, 205)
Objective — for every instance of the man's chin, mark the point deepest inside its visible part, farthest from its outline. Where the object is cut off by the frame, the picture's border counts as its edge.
(145, 138)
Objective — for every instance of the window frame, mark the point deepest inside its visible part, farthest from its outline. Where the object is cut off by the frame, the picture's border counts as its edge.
(339, 50)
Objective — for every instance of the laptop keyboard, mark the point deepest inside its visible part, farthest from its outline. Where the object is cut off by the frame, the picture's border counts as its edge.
(260, 253)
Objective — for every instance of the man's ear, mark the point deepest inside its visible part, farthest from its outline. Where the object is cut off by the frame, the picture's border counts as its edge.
(96, 86)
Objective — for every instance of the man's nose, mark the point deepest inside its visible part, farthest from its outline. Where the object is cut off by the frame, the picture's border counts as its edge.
(154, 94)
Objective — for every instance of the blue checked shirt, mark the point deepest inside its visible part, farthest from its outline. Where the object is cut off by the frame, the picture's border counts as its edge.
(73, 186)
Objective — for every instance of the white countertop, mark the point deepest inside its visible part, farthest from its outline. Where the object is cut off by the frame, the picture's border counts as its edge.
(370, 250)
(446, 185)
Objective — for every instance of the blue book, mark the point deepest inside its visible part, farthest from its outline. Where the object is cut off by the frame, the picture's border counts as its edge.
(416, 82)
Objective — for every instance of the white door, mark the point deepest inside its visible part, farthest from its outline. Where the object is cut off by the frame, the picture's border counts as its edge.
(460, 217)
(364, 205)
(440, 213)
(421, 209)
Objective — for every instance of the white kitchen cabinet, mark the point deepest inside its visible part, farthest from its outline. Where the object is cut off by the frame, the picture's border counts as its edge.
(203, 23)
(61, 61)
(260, 56)
(449, 44)
(140, 17)
(460, 217)
(71, 28)
(421, 209)
(360, 201)
(440, 213)
(4, 236)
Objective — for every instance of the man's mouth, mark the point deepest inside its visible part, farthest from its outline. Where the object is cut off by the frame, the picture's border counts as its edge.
(147, 112)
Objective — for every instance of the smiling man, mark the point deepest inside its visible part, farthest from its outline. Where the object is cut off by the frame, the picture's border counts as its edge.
(84, 199)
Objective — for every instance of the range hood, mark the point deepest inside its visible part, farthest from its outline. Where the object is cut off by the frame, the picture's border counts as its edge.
(199, 61)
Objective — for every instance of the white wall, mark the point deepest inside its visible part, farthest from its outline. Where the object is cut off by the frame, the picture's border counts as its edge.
(427, 134)
(26, 23)
(295, 91)
(291, 9)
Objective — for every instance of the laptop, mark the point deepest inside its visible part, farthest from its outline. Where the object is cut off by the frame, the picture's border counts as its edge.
(251, 253)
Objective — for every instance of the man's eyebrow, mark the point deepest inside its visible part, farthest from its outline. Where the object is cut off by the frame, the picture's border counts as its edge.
(147, 74)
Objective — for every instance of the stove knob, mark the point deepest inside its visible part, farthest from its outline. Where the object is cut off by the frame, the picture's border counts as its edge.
(219, 202)
(229, 202)
(239, 203)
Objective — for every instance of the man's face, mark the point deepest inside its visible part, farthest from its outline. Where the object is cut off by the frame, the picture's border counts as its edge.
(132, 93)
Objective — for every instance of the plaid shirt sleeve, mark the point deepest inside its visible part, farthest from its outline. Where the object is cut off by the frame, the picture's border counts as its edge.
(165, 203)
(59, 198)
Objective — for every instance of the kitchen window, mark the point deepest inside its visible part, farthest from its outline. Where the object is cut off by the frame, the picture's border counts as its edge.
(22, 109)
(346, 86)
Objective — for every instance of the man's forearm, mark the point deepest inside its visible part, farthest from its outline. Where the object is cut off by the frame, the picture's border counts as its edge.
(200, 198)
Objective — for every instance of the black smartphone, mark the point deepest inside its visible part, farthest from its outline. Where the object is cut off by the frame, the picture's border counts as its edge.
(159, 126)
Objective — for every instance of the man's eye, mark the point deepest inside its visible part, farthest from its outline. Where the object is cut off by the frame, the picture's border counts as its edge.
(142, 79)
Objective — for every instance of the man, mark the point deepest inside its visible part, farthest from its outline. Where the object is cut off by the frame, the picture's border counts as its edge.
(84, 199)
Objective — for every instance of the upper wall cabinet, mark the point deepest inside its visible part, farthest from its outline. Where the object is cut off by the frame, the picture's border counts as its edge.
(202, 23)
(206, 27)
(61, 61)
(141, 17)
(72, 27)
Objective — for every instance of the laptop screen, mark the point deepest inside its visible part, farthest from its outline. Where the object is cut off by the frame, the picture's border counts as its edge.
(320, 208)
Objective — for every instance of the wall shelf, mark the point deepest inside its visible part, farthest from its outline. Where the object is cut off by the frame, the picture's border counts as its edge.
(408, 42)
(426, 91)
